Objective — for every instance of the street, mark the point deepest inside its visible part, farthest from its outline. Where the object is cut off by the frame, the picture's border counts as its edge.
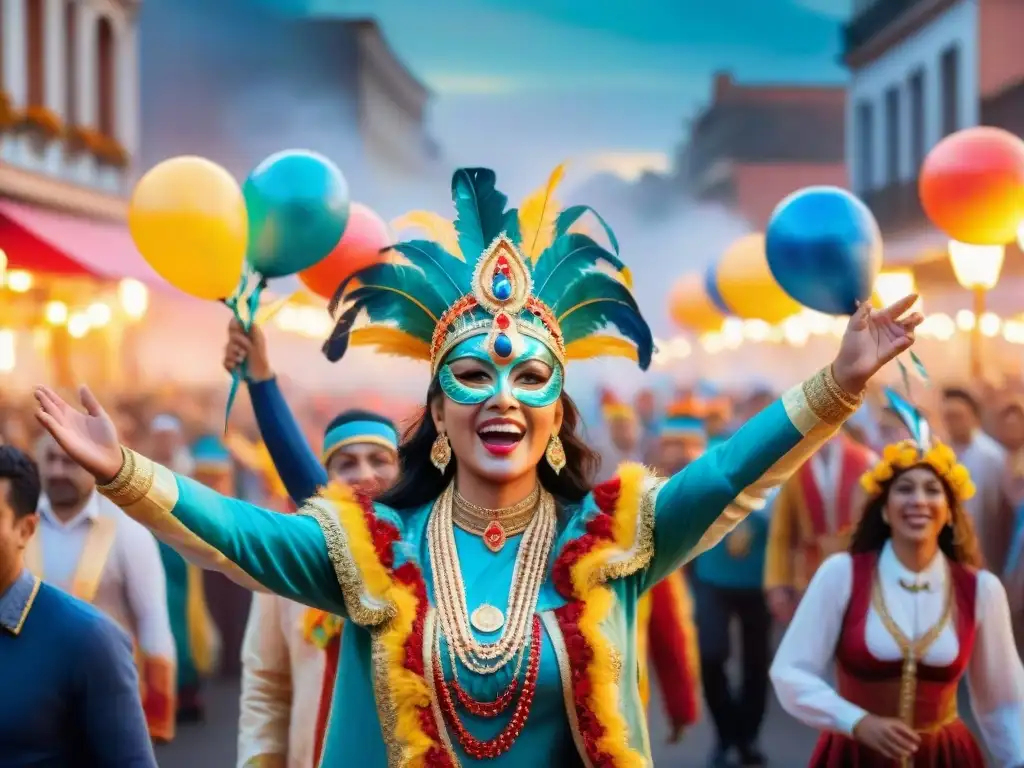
(212, 744)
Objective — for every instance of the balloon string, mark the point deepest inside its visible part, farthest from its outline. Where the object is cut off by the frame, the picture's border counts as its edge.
(236, 303)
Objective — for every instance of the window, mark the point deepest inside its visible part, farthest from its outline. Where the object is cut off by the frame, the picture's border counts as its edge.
(35, 30)
(107, 90)
(949, 71)
(892, 135)
(70, 69)
(865, 146)
(917, 135)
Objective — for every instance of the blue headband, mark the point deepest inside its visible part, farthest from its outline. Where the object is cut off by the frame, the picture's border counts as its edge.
(376, 432)
(682, 426)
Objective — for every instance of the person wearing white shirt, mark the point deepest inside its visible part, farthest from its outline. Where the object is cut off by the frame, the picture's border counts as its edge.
(903, 616)
(88, 547)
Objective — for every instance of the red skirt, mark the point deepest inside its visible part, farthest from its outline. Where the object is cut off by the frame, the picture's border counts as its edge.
(952, 746)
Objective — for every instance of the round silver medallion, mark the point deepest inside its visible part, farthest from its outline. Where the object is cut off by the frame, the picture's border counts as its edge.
(487, 619)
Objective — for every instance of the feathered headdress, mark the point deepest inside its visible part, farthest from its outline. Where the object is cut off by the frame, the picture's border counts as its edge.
(922, 449)
(505, 273)
(684, 418)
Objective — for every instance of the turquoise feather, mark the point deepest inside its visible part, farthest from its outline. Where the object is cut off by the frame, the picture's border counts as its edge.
(480, 210)
(449, 276)
(565, 260)
(597, 301)
(574, 213)
(512, 231)
(916, 424)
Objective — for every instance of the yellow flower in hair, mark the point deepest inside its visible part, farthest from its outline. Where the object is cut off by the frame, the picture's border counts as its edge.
(908, 455)
(958, 476)
(891, 453)
(869, 484)
(967, 491)
(883, 472)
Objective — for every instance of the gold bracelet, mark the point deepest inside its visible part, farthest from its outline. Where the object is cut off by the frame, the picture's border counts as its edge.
(123, 474)
(839, 391)
(132, 483)
(829, 401)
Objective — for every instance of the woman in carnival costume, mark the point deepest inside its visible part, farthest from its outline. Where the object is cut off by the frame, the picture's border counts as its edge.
(490, 597)
(905, 615)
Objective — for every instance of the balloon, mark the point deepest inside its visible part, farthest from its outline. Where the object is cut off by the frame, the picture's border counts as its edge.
(187, 217)
(746, 285)
(711, 287)
(972, 185)
(690, 307)
(825, 249)
(360, 246)
(298, 207)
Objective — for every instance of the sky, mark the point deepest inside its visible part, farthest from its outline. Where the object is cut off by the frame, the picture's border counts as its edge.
(577, 78)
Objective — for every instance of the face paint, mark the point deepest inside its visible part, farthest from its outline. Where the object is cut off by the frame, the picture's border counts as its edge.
(476, 348)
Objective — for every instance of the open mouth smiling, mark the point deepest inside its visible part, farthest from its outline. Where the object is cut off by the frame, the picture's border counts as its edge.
(500, 436)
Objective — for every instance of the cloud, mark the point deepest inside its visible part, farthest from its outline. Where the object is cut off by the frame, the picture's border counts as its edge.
(626, 165)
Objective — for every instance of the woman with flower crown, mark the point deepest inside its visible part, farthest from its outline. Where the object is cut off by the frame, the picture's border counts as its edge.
(491, 595)
(904, 616)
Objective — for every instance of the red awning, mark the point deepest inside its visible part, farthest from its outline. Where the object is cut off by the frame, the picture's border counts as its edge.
(48, 241)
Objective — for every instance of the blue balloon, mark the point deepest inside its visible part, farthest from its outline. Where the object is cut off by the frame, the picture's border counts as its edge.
(824, 249)
(298, 206)
(711, 288)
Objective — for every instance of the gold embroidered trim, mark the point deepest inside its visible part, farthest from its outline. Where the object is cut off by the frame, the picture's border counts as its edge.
(629, 561)
(829, 401)
(550, 622)
(385, 703)
(132, 482)
(362, 607)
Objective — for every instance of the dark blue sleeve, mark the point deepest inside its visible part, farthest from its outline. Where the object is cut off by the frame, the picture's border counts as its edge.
(114, 724)
(299, 468)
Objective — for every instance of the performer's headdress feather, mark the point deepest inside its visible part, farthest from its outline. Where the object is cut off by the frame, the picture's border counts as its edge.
(503, 272)
(922, 449)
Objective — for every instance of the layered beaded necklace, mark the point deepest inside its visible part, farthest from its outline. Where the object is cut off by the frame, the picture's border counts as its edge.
(519, 632)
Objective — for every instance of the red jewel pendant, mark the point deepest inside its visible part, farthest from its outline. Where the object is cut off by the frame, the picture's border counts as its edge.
(494, 536)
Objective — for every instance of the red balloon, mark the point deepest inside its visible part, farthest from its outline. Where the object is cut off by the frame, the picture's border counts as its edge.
(365, 235)
(972, 185)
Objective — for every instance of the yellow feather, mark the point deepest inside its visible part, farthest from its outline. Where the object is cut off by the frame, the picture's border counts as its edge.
(391, 341)
(600, 346)
(436, 226)
(537, 216)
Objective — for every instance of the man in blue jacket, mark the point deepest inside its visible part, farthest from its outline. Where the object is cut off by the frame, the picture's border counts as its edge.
(71, 691)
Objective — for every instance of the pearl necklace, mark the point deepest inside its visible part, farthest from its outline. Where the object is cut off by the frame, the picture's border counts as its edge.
(450, 590)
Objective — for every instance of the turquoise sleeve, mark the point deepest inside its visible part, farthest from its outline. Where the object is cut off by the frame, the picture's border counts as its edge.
(285, 553)
(691, 501)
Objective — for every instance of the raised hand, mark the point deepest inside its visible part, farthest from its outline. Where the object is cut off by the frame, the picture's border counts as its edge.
(248, 348)
(874, 337)
(89, 438)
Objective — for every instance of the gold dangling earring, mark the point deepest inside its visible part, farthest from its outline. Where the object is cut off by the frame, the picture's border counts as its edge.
(441, 452)
(885, 518)
(555, 454)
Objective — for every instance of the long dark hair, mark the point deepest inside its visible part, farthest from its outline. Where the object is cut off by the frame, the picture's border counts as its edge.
(957, 539)
(420, 483)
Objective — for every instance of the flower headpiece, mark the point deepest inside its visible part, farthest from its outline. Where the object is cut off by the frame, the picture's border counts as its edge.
(504, 273)
(921, 450)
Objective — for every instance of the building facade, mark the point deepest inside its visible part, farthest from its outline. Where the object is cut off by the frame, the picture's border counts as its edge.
(754, 144)
(68, 102)
(256, 82)
(921, 70)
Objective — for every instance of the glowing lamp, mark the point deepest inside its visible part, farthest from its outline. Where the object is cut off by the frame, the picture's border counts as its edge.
(99, 314)
(19, 281)
(890, 287)
(56, 313)
(976, 267)
(134, 298)
(78, 325)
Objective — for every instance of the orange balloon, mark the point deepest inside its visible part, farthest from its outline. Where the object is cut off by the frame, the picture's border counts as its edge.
(690, 307)
(365, 235)
(972, 186)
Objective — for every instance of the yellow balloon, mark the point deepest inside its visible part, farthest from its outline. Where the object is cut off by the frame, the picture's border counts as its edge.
(187, 218)
(746, 285)
(690, 307)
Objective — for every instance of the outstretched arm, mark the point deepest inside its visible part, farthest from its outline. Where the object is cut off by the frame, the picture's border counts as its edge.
(263, 550)
(698, 506)
(299, 468)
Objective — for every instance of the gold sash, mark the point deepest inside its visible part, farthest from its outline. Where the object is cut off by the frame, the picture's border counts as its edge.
(99, 543)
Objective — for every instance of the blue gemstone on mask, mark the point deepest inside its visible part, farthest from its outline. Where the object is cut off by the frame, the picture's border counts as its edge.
(502, 288)
(503, 346)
